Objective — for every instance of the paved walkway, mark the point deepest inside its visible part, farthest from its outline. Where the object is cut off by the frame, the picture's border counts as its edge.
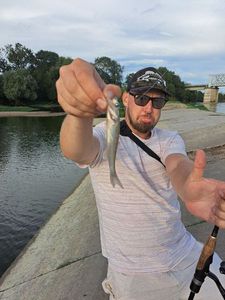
(63, 261)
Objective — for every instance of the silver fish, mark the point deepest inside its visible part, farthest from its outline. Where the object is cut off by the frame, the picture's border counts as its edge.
(112, 135)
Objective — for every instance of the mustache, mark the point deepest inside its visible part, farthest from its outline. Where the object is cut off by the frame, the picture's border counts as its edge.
(146, 115)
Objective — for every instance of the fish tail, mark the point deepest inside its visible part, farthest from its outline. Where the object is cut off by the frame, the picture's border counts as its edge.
(115, 180)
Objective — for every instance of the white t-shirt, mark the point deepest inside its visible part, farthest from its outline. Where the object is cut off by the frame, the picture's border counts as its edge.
(140, 225)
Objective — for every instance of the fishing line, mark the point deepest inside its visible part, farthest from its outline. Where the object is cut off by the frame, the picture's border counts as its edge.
(151, 87)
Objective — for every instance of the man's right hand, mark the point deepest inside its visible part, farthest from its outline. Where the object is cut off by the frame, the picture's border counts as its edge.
(81, 91)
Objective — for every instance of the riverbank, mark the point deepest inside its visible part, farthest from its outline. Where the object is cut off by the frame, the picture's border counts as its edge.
(168, 106)
(30, 114)
(63, 260)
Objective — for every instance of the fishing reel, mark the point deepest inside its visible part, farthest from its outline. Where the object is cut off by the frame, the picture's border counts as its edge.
(203, 265)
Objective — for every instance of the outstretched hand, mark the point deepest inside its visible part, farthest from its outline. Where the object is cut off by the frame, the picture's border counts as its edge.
(204, 197)
(81, 91)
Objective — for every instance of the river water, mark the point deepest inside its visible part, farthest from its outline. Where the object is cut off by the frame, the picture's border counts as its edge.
(34, 180)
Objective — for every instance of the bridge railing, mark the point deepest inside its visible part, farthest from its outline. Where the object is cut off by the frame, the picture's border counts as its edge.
(216, 80)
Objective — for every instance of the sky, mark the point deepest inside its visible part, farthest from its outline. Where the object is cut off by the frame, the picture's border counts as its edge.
(187, 37)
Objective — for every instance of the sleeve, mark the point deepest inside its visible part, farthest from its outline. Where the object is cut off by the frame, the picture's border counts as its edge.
(174, 144)
(99, 133)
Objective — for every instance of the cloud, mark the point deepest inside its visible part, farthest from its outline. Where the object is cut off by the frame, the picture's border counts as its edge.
(187, 37)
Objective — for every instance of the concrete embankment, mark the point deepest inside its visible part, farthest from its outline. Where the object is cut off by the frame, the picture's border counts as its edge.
(64, 262)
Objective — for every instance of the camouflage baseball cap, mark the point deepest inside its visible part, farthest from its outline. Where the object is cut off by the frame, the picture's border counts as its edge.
(145, 80)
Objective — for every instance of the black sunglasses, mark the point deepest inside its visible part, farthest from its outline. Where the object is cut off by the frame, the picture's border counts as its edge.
(142, 100)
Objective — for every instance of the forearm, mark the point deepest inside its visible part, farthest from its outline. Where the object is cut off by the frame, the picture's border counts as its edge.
(77, 140)
(179, 173)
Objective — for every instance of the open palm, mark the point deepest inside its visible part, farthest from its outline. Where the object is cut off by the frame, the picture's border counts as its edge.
(204, 197)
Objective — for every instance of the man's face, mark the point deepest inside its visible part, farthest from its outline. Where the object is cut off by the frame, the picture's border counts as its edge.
(142, 119)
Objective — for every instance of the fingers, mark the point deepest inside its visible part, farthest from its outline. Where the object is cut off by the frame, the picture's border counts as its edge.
(199, 165)
(218, 211)
(73, 110)
(112, 90)
(101, 104)
(77, 89)
(65, 97)
(109, 91)
(88, 78)
(81, 91)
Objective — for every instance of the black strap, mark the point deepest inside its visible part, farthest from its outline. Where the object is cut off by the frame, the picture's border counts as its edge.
(126, 131)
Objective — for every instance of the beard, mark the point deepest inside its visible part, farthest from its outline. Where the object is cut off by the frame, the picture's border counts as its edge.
(140, 127)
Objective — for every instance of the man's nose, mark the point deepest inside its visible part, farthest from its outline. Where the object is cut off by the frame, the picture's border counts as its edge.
(148, 107)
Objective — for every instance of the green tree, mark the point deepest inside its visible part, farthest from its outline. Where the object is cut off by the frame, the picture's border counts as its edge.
(171, 79)
(190, 96)
(172, 90)
(2, 95)
(110, 70)
(51, 77)
(221, 97)
(45, 64)
(19, 86)
(43, 67)
(127, 80)
(176, 87)
(53, 74)
(199, 96)
(63, 61)
(4, 65)
(19, 57)
(46, 59)
(179, 87)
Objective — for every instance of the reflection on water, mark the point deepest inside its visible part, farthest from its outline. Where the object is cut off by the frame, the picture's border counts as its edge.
(34, 179)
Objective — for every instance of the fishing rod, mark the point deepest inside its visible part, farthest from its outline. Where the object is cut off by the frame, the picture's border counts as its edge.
(204, 262)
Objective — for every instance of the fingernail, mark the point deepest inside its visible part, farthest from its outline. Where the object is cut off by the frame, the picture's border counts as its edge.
(109, 95)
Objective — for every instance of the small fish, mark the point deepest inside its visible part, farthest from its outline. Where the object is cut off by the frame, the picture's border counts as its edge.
(112, 134)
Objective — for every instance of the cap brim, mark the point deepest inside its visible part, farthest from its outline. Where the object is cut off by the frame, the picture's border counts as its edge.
(141, 90)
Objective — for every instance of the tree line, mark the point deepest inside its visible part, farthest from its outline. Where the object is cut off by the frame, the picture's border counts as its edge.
(27, 77)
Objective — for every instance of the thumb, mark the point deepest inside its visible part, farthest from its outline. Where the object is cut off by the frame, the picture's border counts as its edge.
(110, 91)
(199, 165)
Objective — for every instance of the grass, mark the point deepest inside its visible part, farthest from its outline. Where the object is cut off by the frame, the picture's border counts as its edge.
(196, 105)
(17, 108)
(190, 105)
(35, 107)
(172, 100)
(55, 107)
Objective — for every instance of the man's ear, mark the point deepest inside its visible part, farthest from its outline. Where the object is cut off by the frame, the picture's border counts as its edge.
(125, 98)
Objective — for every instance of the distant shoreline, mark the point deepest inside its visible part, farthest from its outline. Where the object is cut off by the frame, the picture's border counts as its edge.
(30, 114)
(55, 114)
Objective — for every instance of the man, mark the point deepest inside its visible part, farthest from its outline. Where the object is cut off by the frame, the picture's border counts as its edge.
(150, 254)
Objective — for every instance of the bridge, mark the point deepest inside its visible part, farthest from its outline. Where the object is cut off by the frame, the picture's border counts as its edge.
(211, 89)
